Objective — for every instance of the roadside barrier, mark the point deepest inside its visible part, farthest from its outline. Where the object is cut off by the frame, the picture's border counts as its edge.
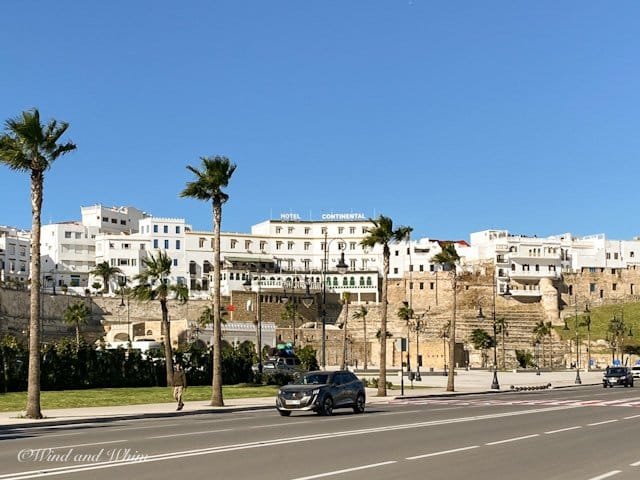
(530, 387)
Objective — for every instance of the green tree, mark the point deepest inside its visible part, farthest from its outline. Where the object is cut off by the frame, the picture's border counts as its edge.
(106, 271)
(382, 233)
(214, 175)
(448, 257)
(482, 340)
(153, 284)
(29, 146)
(75, 315)
(361, 314)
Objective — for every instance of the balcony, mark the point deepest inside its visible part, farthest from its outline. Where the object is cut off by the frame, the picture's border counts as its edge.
(525, 293)
(533, 275)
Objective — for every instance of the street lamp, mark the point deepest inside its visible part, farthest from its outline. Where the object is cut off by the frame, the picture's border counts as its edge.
(342, 267)
(578, 380)
(307, 300)
(495, 385)
(122, 283)
(248, 287)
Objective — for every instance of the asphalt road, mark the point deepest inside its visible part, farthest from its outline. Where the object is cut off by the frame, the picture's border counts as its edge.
(575, 433)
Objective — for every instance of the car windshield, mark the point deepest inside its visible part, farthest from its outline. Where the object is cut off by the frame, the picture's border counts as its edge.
(616, 371)
(314, 379)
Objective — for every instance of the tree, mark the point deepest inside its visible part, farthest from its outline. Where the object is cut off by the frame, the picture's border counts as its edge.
(502, 329)
(289, 315)
(361, 314)
(214, 175)
(75, 315)
(382, 233)
(106, 271)
(481, 340)
(29, 146)
(448, 257)
(346, 296)
(153, 284)
(405, 313)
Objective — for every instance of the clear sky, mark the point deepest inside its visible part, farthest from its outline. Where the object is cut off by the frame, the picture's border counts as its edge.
(450, 117)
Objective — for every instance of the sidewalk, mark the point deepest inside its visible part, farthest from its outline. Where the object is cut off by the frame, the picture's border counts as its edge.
(466, 382)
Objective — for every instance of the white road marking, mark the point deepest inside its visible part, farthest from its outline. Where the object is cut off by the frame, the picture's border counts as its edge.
(635, 464)
(606, 475)
(601, 423)
(632, 416)
(444, 452)
(133, 427)
(346, 470)
(563, 430)
(192, 433)
(514, 439)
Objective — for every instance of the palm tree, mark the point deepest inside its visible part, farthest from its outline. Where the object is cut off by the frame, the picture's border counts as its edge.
(346, 296)
(105, 271)
(482, 341)
(449, 258)
(75, 315)
(215, 174)
(289, 315)
(29, 146)
(153, 284)
(382, 233)
(540, 331)
(361, 314)
(405, 313)
(502, 328)
(549, 333)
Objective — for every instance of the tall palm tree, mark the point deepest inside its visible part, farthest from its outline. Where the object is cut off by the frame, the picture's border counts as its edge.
(214, 175)
(153, 284)
(548, 329)
(346, 297)
(382, 233)
(448, 257)
(405, 313)
(29, 146)
(75, 315)
(502, 329)
(361, 314)
(540, 332)
(106, 271)
(481, 340)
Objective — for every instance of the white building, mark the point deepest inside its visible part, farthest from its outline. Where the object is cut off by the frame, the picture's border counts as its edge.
(15, 254)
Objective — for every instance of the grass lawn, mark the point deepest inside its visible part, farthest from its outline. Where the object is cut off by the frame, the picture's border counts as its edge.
(100, 397)
(600, 319)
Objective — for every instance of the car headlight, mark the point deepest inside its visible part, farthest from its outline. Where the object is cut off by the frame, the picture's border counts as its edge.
(279, 392)
(315, 392)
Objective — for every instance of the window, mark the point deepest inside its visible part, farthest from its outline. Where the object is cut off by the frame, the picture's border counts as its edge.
(608, 256)
(290, 230)
(613, 271)
(177, 244)
(352, 230)
(234, 243)
(206, 267)
(290, 245)
(369, 283)
(395, 270)
(411, 268)
(340, 230)
(614, 286)
(631, 254)
(307, 230)
(166, 244)
(201, 242)
(397, 252)
(592, 287)
(307, 245)
(365, 230)
(123, 222)
(421, 285)
(352, 263)
(432, 285)
(352, 245)
(175, 262)
(263, 244)
(342, 246)
(323, 230)
(278, 229)
(155, 229)
(278, 245)
(105, 219)
(247, 244)
(78, 235)
(177, 228)
(592, 269)
(126, 246)
(67, 234)
(410, 285)
(114, 220)
(421, 268)
(155, 243)
(165, 228)
(142, 246)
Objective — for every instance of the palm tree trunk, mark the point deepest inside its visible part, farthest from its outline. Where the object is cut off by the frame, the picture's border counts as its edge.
(344, 335)
(33, 388)
(77, 336)
(168, 352)
(364, 325)
(382, 381)
(452, 337)
(216, 385)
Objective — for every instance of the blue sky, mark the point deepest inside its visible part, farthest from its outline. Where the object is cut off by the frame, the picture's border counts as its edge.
(449, 117)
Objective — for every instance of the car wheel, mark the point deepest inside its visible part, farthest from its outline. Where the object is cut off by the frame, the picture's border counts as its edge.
(284, 413)
(327, 407)
(359, 405)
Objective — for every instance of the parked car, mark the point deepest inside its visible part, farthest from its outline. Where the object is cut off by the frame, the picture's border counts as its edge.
(617, 376)
(321, 392)
(636, 371)
(280, 365)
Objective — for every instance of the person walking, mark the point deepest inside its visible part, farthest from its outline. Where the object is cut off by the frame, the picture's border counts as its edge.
(179, 384)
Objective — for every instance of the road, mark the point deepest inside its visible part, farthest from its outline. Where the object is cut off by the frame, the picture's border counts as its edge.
(574, 433)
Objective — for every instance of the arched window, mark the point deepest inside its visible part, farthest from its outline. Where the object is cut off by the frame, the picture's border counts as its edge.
(352, 282)
(345, 281)
(362, 281)
(369, 281)
(335, 281)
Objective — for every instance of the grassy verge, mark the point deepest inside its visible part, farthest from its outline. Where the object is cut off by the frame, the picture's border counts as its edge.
(102, 397)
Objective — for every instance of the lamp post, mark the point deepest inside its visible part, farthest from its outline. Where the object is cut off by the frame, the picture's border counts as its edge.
(342, 268)
(495, 385)
(122, 283)
(578, 380)
(248, 287)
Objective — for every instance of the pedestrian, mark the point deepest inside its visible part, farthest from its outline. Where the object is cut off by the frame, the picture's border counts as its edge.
(179, 385)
